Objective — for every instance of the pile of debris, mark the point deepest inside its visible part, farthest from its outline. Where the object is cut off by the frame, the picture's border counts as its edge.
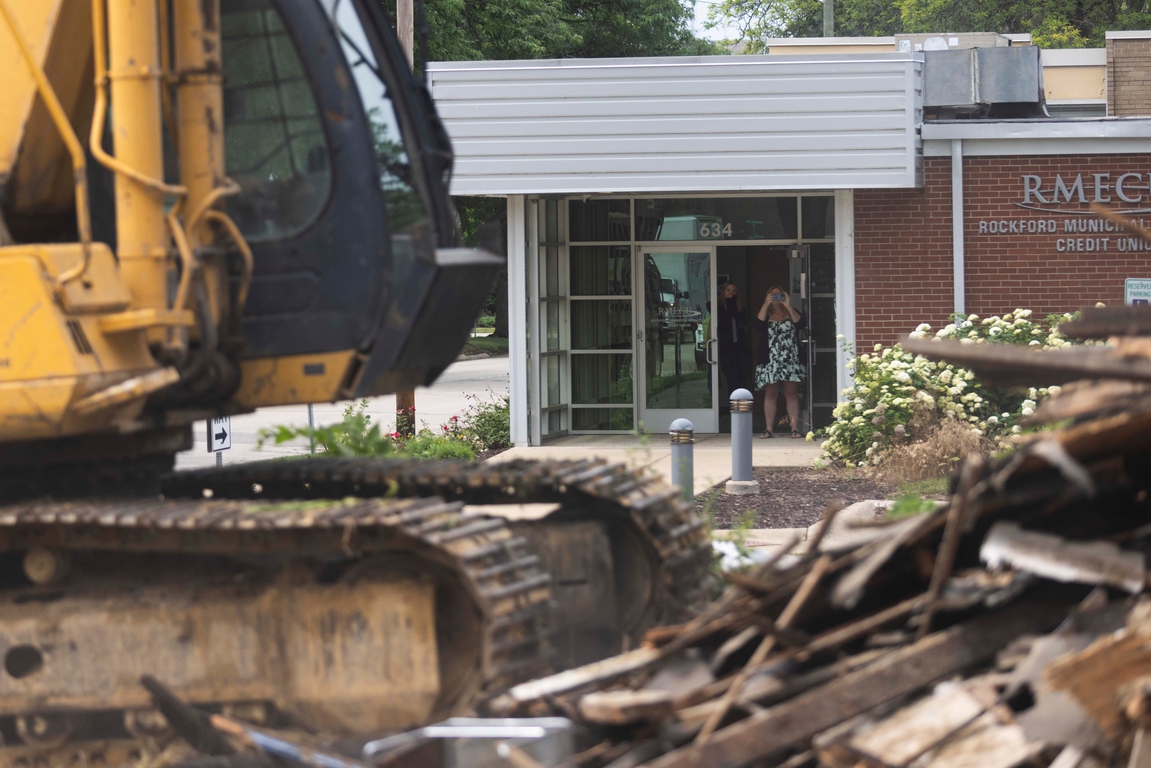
(1007, 627)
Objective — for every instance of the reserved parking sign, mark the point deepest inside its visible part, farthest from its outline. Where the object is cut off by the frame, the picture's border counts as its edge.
(1137, 290)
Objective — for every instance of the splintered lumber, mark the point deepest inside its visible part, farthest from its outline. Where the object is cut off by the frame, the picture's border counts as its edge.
(1105, 322)
(952, 533)
(1008, 365)
(1078, 401)
(572, 679)
(1053, 557)
(798, 601)
(625, 706)
(902, 672)
(1097, 676)
(919, 728)
(986, 743)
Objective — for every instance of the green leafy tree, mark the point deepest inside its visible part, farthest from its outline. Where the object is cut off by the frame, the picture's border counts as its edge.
(1052, 23)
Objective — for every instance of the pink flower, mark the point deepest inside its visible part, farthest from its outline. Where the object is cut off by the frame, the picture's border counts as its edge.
(455, 418)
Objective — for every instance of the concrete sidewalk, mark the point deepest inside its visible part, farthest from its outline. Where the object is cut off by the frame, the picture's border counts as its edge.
(712, 453)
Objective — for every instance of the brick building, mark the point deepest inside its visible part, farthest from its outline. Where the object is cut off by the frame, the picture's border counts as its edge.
(637, 188)
(1050, 256)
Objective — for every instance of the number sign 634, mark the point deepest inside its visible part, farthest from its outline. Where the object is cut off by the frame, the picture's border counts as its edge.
(714, 230)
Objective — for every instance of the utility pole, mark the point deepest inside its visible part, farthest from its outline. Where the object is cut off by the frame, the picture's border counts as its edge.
(829, 18)
(405, 31)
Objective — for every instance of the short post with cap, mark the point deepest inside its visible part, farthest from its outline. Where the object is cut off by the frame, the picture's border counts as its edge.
(682, 462)
(741, 483)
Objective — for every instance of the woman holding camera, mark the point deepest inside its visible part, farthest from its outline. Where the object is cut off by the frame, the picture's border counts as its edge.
(778, 357)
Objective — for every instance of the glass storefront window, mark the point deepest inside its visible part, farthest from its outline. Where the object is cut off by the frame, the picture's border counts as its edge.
(602, 419)
(601, 324)
(600, 270)
(818, 217)
(591, 221)
(822, 268)
(823, 321)
(601, 379)
(717, 218)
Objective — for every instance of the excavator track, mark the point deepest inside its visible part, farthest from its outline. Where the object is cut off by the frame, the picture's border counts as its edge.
(131, 569)
(644, 517)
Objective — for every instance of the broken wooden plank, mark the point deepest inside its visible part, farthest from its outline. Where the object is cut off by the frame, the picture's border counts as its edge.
(952, 533)
(625, 706)
(573, 679)
(1056, 558)
(1097, 676)
(790, 613)
(904, 671)
(986, 743)
(1008, 365)
(919, 728)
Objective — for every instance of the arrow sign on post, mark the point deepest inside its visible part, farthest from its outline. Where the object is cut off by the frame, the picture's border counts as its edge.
(219, 434)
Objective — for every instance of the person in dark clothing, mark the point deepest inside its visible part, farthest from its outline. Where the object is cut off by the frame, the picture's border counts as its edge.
(778, 357)
(731, 330)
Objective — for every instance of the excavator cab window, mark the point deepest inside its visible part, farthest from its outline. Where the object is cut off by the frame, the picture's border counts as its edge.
(329, 136)
(405, 203)
(275, 146)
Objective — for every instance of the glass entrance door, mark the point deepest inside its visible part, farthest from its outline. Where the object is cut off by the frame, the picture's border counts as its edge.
(675, 338)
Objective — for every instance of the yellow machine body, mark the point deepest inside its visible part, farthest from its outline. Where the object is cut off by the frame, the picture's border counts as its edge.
(180, 240)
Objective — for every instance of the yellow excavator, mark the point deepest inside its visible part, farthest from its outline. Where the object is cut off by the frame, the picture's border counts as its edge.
(212, 206)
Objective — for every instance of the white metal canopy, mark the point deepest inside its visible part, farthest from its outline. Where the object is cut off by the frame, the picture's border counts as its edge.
(682, 124)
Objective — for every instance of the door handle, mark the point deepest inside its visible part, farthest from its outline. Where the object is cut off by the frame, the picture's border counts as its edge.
(707, 351)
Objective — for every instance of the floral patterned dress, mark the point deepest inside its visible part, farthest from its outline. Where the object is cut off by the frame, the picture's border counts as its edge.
(783, 365)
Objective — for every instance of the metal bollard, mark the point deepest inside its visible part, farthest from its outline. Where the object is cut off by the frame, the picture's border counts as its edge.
(682, 462)
(742, 483)
(312, 428)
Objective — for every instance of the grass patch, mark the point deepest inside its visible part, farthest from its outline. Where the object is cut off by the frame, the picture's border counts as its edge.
(909, 505)
(936, 486)
(486, 345)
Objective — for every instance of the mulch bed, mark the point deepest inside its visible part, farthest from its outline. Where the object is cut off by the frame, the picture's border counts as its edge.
(791, 497)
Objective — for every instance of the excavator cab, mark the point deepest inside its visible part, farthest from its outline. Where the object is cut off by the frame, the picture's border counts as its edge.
(270, 221)
(343, 169)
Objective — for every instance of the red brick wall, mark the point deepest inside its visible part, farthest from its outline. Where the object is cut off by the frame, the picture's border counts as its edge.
(903, 271)
(903, 245)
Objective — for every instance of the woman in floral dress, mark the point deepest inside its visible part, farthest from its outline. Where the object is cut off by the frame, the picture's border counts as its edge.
(778, 357)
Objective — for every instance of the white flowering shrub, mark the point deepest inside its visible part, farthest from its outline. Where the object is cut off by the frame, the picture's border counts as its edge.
(899, 398)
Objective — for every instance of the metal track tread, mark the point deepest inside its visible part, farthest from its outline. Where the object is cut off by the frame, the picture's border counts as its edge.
(500, 571)
(591, 486)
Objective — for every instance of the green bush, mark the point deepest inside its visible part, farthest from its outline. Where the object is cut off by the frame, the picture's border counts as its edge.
(485, 426)
(898, 398)
(486, 321)
(354, 436)
(428, 445)
(488, 422)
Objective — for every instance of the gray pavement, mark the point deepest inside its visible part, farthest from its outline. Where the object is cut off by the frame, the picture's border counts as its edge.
(435, 405)
(712, 459)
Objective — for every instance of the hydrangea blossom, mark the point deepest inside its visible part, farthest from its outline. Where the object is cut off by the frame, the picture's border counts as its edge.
(895, 393)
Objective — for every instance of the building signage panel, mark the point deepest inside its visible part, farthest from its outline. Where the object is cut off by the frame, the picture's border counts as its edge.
(1079, 229)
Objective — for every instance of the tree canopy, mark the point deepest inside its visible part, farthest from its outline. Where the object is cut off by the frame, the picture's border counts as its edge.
(1052, 23)
(462, 30)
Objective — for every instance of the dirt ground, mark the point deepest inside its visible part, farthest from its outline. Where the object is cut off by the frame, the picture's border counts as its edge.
(791, 497)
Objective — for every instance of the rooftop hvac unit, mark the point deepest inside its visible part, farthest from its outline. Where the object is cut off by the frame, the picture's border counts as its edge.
(983, 82)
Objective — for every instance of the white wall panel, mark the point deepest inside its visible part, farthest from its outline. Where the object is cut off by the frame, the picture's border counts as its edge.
(687, 124)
